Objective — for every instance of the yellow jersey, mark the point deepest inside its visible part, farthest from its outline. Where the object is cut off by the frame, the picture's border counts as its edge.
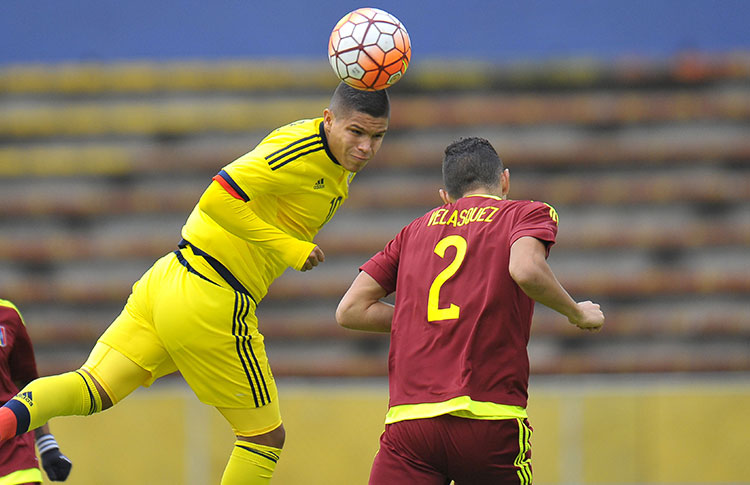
(293, 184)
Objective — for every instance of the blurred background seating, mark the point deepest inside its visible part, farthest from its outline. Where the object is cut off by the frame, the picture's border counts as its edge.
(647, 163)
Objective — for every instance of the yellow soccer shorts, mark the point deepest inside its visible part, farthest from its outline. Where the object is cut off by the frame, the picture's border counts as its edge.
(177, 320)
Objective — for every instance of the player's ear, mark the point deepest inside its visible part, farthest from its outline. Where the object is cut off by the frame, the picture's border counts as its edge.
(445, 197)
(505, 183)
(327, 118)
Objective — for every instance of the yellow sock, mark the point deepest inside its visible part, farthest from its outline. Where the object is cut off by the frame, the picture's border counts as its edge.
(69, 394)
(250, 464)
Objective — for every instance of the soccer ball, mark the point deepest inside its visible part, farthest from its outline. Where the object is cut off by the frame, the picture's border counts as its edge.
(369, 49)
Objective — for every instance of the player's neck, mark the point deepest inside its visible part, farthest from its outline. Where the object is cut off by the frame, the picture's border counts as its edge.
(484, 191)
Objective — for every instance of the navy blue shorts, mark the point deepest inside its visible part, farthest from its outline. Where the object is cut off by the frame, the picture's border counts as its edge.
(434, 451)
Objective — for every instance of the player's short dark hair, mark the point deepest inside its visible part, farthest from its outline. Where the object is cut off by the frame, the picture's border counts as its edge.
(469, 164)
(346, 99)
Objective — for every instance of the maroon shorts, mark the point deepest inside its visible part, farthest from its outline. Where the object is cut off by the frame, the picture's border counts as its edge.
(467, 451)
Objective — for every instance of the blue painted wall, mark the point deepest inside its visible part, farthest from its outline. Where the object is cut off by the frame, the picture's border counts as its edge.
(510, 30)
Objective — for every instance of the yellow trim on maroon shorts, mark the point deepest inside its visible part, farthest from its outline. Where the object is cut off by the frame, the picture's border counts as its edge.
(30, 475)
(461, 406)
(523, 460)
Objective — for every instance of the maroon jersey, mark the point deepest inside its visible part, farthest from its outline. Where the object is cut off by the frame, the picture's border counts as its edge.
(17, 364)
(461, 324)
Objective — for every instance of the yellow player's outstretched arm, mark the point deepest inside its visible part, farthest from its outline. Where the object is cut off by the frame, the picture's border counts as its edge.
(235, 216)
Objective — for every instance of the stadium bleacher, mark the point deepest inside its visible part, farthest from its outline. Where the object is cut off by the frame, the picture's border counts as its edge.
(647, 163)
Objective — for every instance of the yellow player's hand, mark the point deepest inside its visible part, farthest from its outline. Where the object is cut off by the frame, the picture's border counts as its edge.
(315, 258)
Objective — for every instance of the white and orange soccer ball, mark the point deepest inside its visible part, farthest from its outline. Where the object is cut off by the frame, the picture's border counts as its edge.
(369, 49)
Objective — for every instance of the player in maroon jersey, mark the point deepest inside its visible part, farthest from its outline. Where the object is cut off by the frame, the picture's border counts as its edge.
(466, 276)
(18, 461)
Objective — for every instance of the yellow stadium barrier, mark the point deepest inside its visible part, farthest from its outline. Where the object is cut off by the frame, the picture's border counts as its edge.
(587, 431)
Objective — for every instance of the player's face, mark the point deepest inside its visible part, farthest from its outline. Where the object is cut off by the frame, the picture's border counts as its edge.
(354, 138)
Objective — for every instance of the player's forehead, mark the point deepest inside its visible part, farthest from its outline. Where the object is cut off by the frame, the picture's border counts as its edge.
(364, 121)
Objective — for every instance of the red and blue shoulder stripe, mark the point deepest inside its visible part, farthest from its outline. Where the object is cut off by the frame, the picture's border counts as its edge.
(226, 181)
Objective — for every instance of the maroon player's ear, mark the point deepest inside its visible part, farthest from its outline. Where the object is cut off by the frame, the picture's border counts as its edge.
(445, 197)
(505, 183)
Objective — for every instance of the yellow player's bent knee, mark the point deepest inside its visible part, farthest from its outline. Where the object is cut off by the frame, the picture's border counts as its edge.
(253, 421)
(115, 373)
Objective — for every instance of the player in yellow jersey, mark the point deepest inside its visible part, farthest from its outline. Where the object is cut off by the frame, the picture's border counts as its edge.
(194, 309)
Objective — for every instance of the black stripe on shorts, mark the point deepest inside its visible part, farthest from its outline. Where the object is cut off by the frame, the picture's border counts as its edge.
(243, 345)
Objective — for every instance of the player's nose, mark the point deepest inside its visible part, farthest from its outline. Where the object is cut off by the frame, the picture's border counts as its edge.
(365, 146)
